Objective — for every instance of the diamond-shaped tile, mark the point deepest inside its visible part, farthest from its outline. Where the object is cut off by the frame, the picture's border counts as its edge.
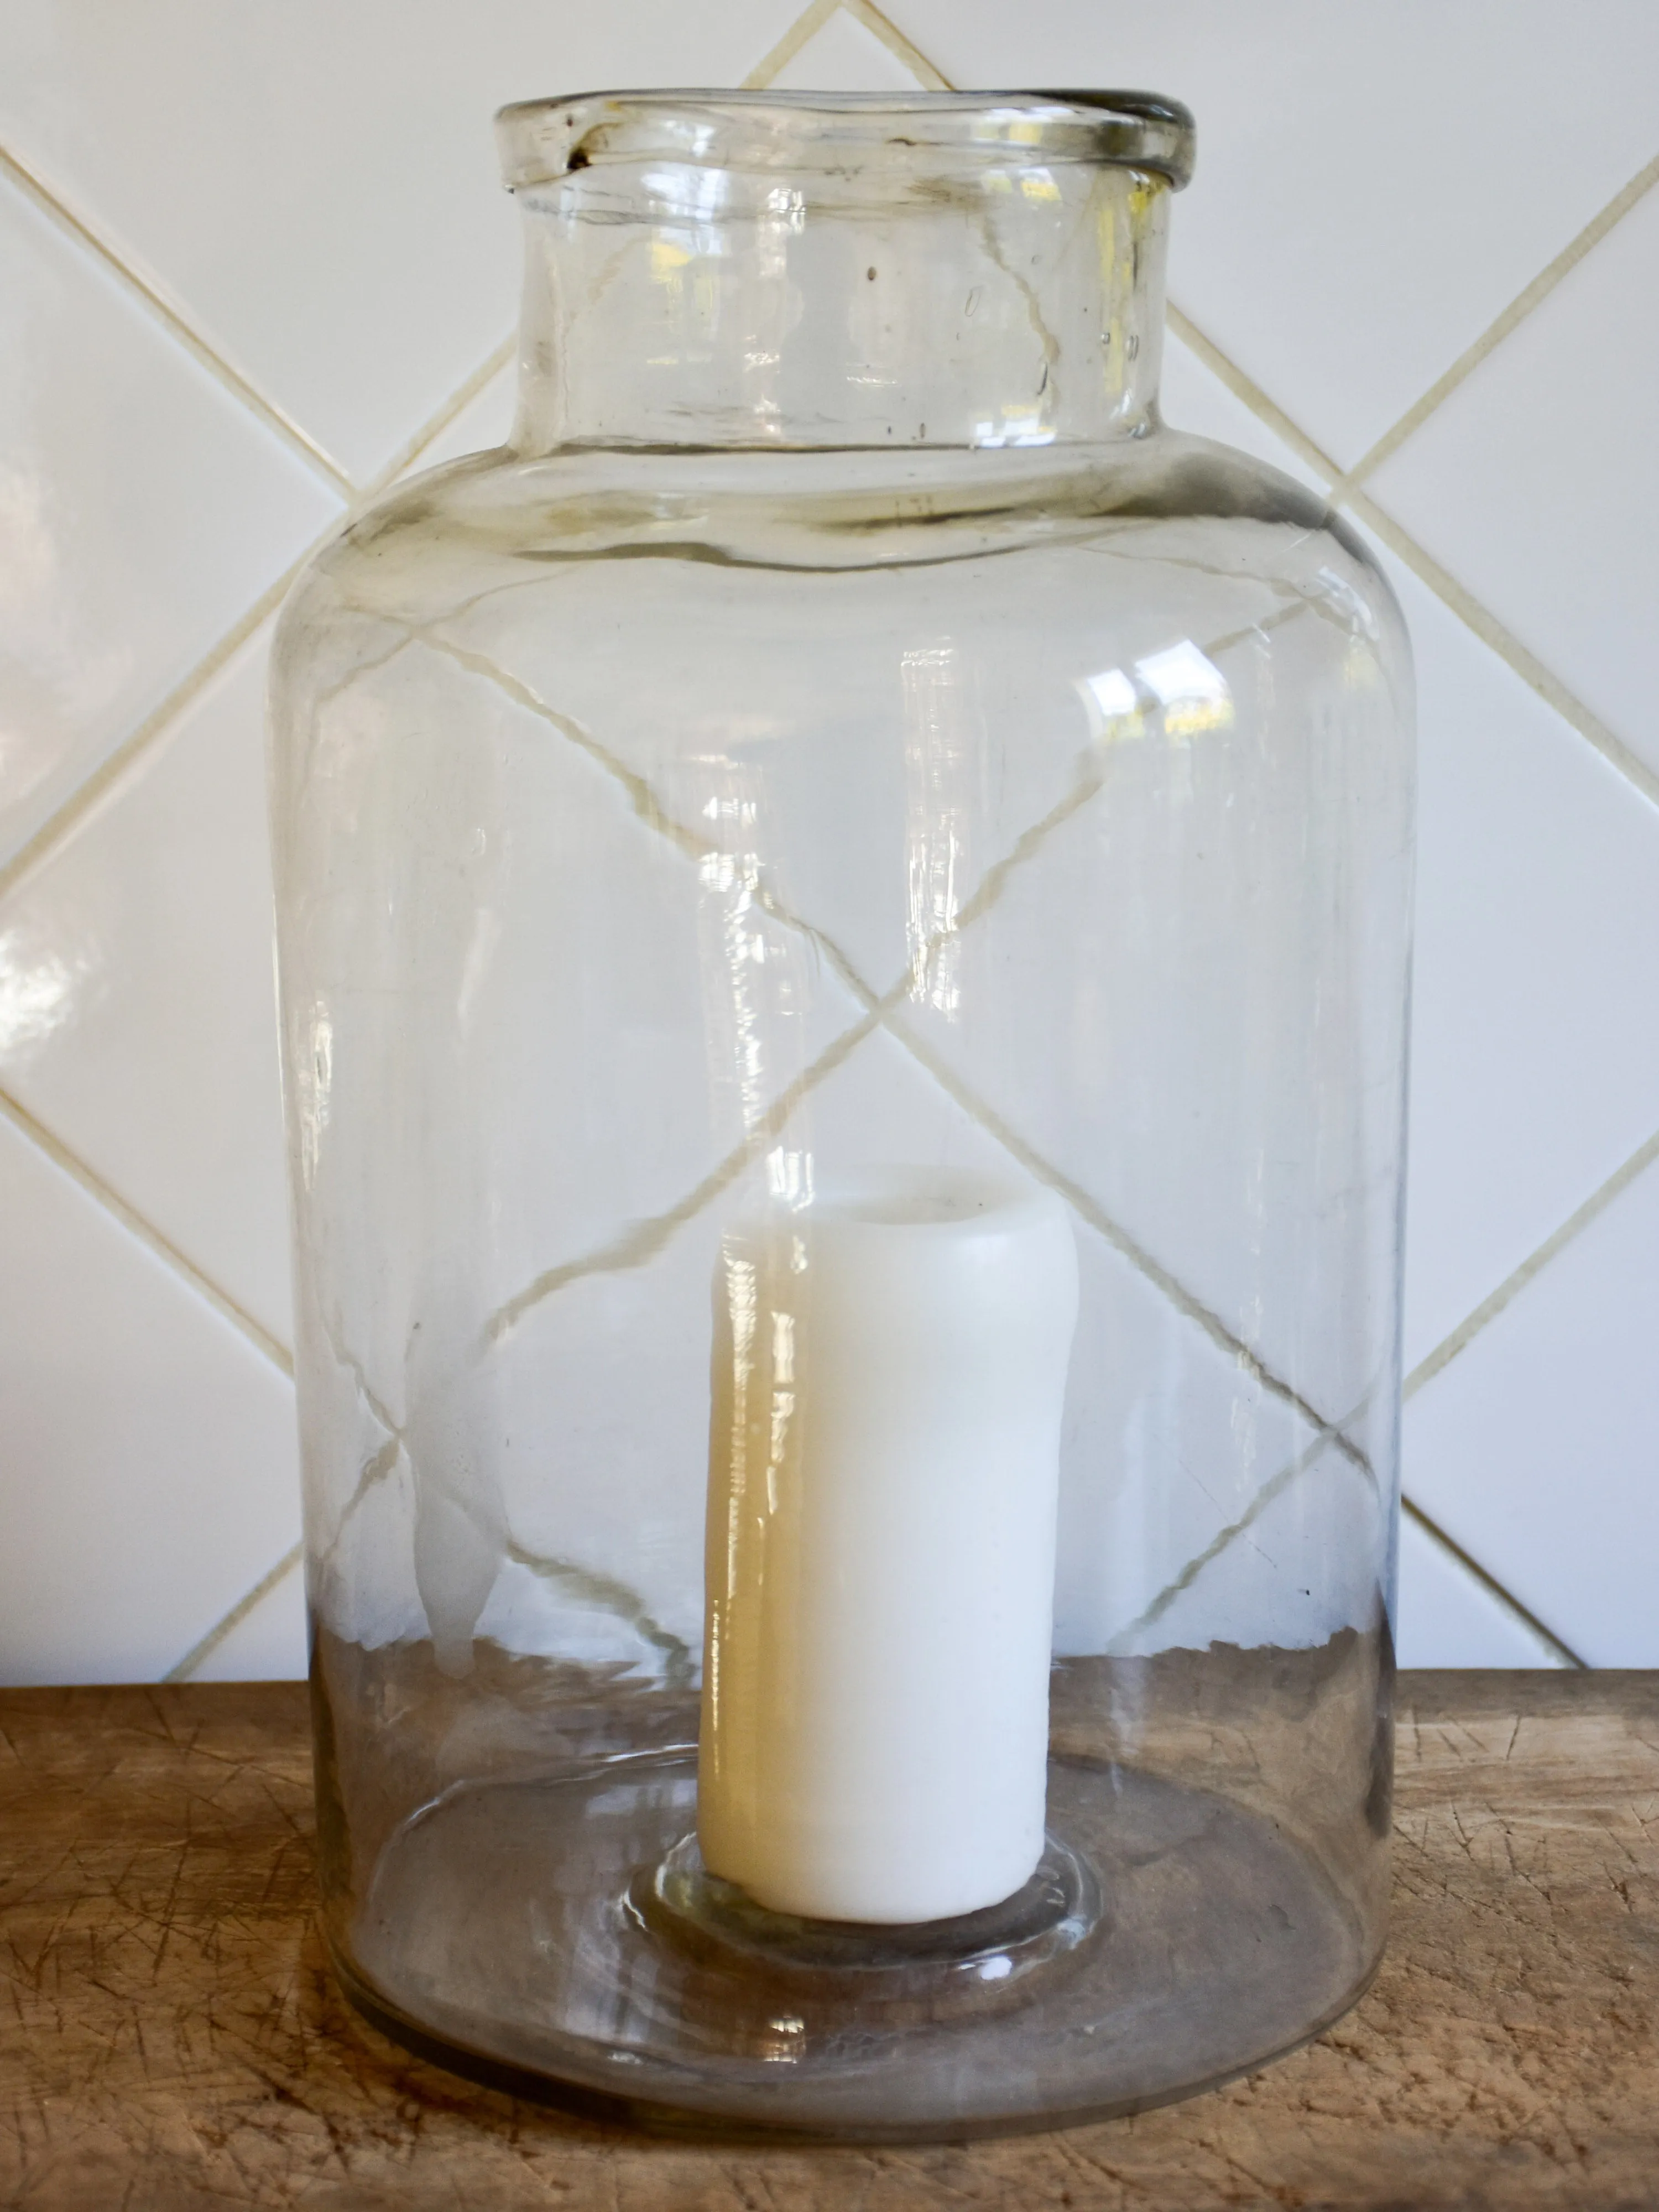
(924, 758)
(149, 1450)
(1448, 1619)
(145, 510)
(1534, 1449)
(562, 937)
(1304, 1567)
(1536, 482)
(1193, 398)
(1167, 1441)
(1364, 204)
(316, 185)
(268, 1644)
(1137, 999)
(1535, 1016)
(1536, 1004)
(136, 1015)
(486, 420)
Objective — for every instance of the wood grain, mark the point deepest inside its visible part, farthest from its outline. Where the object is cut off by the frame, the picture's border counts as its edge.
(170, 2037)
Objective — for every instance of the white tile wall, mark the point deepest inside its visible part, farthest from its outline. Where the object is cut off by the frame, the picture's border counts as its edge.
(151, 1472)
(1534, 1448)
(1536, 1004)
(144, 1037)
(1536, 482)
(314, 187)
(253, 262)
(124, 557)
(1379, 180)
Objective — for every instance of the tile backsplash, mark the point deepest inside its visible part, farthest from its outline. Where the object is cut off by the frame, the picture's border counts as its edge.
(254, 263)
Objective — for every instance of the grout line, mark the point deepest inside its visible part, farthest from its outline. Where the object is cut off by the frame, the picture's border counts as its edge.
(1461, 601)
(112, 769)
(1563, 1653)
(239, 1612)
(274, 417)
(61, 824)
(1435, 1361)
(644, 1239)
(411, 451)
(1122, 1640)
(1508, 647)
(1245, 388)
(804, 27)
(1463, 604)
(1445, 587)
(134, 1222)
(1251, 394)
(1493, 336)
(1331, 1432)
(1446, 1350)
(807, 27)
(930, 78)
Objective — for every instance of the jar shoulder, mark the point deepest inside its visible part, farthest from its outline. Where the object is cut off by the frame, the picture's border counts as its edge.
(440, 542)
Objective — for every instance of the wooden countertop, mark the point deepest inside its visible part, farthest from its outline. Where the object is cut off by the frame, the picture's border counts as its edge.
(169, 2036)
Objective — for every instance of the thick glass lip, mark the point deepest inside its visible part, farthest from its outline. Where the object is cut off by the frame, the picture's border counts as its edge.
(543, 140)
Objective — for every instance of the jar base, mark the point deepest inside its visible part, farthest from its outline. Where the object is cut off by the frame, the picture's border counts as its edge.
(820, 1974)
(529, 1933)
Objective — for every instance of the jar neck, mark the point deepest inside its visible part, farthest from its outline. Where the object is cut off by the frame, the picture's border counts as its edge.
(896, 300)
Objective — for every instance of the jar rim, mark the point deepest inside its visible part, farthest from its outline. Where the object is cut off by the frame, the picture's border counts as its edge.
(543, 140)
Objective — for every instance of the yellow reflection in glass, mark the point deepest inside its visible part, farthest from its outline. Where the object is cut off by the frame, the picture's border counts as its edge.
(1189, 689)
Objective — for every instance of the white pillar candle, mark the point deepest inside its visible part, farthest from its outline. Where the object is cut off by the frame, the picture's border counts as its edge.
(888, 1379)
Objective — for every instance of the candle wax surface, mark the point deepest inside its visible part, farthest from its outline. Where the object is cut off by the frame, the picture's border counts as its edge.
(889, 1382)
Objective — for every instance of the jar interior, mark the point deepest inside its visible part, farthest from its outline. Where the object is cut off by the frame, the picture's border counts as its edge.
(763, 926)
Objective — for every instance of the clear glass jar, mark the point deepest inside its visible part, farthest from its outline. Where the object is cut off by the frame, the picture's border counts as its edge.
(844, 912)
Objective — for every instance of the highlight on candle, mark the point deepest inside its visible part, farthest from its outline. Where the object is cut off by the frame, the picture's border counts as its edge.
(889, 1382)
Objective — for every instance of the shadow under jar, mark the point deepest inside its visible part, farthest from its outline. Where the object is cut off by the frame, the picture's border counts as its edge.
(843, 922)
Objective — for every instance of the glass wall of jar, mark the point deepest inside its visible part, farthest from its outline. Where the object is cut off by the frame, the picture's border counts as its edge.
(843, 922)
